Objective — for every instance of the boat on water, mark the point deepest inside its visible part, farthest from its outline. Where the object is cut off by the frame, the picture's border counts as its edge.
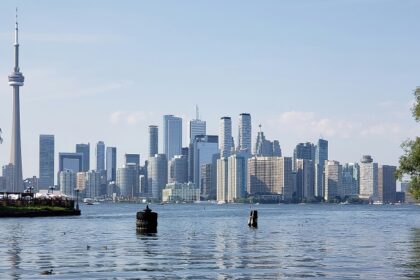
(88, 201)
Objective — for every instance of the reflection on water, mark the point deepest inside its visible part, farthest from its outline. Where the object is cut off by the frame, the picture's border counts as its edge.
(414, 262)
(215, 242)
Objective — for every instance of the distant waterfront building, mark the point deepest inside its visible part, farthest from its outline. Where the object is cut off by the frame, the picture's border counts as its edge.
(321, 155)
(2, 184)
(304, 151)
(81, 181)
(153, 140)
(225, 137)
(270, 175)
(46, 161)
(222, 179)
(266, 148)
(93, 183)
(111, 164)
(157, 172)
(128, 180)
(333, 180)
(276, 149)
(70, 161)
(178, 170)
(197, 127)
(100, 156)
(132, 158)
(84, 149)
(172, 136)
(368, 178)
(350, 179)
(305, 179)
(180, 192)
(208, 180)
(245, 134)
(237, 177)
(67, 182)
(204, 148)
(9, 178)
(387, 184)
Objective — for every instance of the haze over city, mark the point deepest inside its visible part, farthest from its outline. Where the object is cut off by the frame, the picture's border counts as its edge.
(103, 70)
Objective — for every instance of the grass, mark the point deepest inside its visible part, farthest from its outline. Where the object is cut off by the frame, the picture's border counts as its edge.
(32, 208)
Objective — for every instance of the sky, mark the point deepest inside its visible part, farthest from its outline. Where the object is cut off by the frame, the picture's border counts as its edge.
(304, 69)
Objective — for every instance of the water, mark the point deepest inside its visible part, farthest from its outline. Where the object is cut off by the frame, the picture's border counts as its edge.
(214, 242)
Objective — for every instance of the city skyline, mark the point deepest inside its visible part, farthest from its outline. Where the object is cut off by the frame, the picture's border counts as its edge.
(375, 126)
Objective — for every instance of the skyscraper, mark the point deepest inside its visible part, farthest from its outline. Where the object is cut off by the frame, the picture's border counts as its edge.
(100, 156)
(303, 151)
(172, 136)
(305, 177)
(368, 178)
(67, 182)
(351, 178)
(333, 180)
(111, 164)
(93, 183)
(197, 127)
(70, 161)
(46, 161)
(157, 172)
(132, 158)
(245, 134)
(203, 149)
(128, 180)
(84, 149)
(16, 80)
(237, 173)
(225, 137)
(178, 169)
(266, 148)
(321, 155)
(153, 140)
(270, 175)
(387, 185)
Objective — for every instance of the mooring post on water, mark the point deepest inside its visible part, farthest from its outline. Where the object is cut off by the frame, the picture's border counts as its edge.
(253, 219)
(147, 221)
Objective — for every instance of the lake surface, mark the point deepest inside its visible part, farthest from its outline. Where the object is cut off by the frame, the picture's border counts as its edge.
(214, 242)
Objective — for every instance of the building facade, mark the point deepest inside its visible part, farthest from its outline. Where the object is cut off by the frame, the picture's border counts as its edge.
(225, 136)
(153, 140)
(368, 178)
(172, 136)
(111, 164)
(180, 192)
(84, 149)
(46, 161)
(100, 156)
(157, 175)
(333, 180)
(245, 134)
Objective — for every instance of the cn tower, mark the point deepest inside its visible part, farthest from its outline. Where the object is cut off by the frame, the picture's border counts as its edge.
(16, 80)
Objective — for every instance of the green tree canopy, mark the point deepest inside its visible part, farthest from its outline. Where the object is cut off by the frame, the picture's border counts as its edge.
(410, 160)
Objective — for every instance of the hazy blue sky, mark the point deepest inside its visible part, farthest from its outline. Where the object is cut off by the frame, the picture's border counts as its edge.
(105, 70)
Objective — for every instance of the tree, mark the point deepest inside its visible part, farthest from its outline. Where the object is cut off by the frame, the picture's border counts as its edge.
(410, 160)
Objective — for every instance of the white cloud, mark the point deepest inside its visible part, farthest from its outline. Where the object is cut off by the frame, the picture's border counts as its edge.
(129, 118)
(309, 124)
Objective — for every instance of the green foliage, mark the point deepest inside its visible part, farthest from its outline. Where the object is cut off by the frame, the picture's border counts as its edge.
(410, 160)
